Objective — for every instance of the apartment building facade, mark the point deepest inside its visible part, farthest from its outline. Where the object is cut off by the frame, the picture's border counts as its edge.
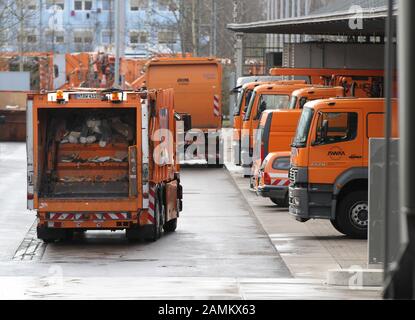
(64, 26)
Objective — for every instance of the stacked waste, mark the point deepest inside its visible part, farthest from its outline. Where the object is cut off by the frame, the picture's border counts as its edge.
(102, 131)
(99, 130)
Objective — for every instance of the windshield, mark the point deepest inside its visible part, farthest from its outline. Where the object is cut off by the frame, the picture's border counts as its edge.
(250, 106)
(244, 99)
(268, 102)
(293, 102)
(301, 137)
(238, 105)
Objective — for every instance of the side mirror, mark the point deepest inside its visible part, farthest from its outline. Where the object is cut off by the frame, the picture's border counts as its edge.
(2, 119)
(324, 131)
(262, 107)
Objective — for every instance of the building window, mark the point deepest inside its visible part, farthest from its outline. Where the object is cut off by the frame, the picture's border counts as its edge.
(167, 37)
(136, 5)
(165, 4)
(81, 37)
(32, 5)
(57, 37)
(31, 38)
(106, 37)
(138, 37)
(83, 5)
(107, 5)
(52, 3)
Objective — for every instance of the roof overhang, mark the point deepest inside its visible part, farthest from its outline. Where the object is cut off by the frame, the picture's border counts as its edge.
(336, 23)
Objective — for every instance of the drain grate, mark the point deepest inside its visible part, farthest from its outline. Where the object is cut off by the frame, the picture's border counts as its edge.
(31, 247)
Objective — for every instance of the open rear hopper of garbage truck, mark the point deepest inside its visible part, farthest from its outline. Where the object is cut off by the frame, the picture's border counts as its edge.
(91, 164)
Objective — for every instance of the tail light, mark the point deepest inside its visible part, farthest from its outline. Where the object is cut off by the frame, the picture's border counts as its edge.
(267, 178)
(59, 95)
(116, 97)
(30, 196)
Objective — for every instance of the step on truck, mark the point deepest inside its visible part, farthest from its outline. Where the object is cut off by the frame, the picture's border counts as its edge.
(102, 160)
(329, 161)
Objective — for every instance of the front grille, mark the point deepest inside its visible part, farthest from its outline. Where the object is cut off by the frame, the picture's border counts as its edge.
(293, 175)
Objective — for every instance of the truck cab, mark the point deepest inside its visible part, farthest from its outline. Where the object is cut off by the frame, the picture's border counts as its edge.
(265, 97)
(241, 108)
(329, 161)
(301, 96)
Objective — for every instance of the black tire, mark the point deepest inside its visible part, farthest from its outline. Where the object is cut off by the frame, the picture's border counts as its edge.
(133, 235)
(49, 235)
(352, 216)
(282, 203)
(170, 226)
(68, 236)
(336, 226)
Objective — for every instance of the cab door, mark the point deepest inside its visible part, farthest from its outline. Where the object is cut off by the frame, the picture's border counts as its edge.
(336, 144)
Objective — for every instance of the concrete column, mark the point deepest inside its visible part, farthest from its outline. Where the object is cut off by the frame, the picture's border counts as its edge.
(239, 55)
(286, 16)
(402, 280)
(299, 14)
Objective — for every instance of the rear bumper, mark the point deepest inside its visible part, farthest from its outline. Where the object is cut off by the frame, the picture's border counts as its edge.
(272, 192)
(93, 221)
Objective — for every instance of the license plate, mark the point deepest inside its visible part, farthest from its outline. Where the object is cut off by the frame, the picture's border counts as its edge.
(86, 96)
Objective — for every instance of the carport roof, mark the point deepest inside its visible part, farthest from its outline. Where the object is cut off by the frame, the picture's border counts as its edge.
(333, 19)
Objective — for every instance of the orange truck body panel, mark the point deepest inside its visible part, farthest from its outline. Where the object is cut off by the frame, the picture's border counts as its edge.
(338, 164)
(360, 83)
(87, 69)
(197, 82)
(110, 194)
(275, 133)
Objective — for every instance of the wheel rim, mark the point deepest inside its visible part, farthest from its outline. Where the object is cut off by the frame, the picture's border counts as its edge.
(359, 215)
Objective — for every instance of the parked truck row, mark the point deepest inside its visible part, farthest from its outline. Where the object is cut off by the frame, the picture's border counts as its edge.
(305, 146)
(302, 136)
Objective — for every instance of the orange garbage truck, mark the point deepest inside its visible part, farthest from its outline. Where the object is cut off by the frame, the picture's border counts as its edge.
(329, 161)
(197, 84)
(103, 160)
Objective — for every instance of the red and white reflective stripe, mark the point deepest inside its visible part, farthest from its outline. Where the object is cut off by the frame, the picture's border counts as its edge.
(280, 179)
(152, 204)
(216, 106)
(88, 216)
(281, 182)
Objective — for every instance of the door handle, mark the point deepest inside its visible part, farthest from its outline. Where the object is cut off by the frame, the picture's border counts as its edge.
(355, 157)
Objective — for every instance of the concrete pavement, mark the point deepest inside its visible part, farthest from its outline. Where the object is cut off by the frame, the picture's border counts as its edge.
(223, 249)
